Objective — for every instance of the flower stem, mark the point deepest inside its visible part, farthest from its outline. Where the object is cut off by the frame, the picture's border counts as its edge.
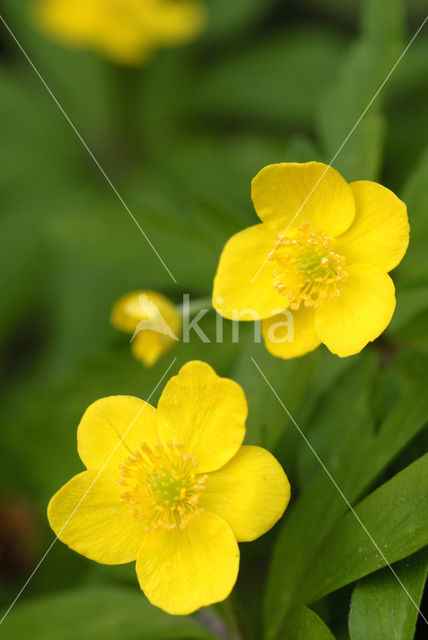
(126, 85)
(234, 615)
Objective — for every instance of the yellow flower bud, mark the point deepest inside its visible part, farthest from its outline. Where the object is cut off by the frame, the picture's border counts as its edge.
(152, 319)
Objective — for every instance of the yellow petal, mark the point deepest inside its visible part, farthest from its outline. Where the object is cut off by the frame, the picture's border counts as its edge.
(101, 439)
(250, 492)
(67, 20)
(149, 346)
(291, 333)
(379, 234)
(88, 516)
(240, 283)
(360, 313)
(170, 22)
(183, 570)
(203, 412)
(117, 32)
(315, 190)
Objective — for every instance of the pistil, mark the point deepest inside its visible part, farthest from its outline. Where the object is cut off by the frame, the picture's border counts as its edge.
(307, 269)
(162, 486)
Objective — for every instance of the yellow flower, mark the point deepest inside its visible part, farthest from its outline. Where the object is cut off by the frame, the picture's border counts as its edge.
(327, 266)
(154, 321)
(127, 31)
(171, 488)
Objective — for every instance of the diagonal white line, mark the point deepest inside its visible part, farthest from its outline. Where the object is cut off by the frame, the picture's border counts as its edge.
(339, 490)
(121, 200)
(342, 145)
(30, 577)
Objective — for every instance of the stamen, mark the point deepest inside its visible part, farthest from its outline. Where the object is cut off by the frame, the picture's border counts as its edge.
(162, 486)
(307, 270)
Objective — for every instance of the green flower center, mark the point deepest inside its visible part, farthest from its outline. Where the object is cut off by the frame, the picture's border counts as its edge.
(307, 270)
(161, 486)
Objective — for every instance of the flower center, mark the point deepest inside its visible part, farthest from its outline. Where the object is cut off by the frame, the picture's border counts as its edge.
(307, 269)
(161, 486)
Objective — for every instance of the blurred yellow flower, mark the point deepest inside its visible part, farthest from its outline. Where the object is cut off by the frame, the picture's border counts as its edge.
(127, 31)
(171, 488)
(154, 321)
(328, 265)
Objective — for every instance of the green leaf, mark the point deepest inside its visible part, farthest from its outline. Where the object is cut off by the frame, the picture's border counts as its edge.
(227, 19)
(408, 325)
(331, 420)
(30, 121)
(355, 461)
(17, 297)
(194, 164)
(363, 70)
(328, 371)
(410, 303)
(414, 333)
(381, 608)
(413, 269)
(111, 613)
(406, 100)
(267, 420)
(396, 517)
(66, 71)
(412, 365)
(274, 80)
(303, 624)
